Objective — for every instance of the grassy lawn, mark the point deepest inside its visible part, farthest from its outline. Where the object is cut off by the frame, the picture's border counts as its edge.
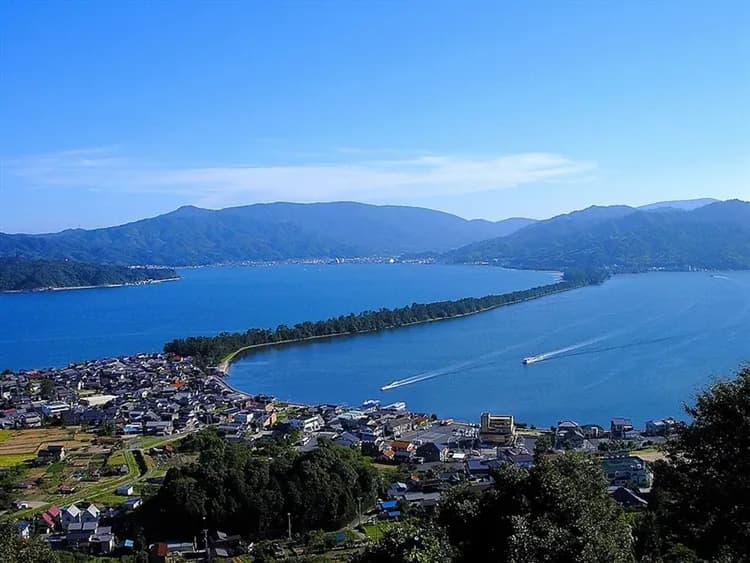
(5, 434)
(110, 499)
(375, 531)
(117, 458)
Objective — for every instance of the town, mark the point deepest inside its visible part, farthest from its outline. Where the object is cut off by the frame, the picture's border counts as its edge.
(85, 445)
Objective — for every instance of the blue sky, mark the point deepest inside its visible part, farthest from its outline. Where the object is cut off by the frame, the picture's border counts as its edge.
(114, 111)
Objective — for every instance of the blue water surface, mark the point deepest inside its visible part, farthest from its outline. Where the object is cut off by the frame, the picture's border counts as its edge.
(638, 346)
(56, 328)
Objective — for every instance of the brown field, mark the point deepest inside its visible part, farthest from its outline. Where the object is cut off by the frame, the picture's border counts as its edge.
(29, 441)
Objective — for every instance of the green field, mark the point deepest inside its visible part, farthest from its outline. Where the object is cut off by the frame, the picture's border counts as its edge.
(8, 460)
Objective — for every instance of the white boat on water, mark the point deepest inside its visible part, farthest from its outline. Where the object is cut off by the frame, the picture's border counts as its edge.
(531, 360)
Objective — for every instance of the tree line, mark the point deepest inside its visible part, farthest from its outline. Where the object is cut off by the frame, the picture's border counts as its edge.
(211, 350)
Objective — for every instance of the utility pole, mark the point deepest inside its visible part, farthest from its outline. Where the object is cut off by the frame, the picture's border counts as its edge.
(205, 540)
(289, 524)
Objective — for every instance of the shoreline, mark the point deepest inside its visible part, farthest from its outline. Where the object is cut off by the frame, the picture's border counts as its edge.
(77, 287)
(226, 363)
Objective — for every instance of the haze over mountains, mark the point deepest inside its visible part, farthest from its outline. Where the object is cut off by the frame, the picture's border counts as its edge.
(672, 235)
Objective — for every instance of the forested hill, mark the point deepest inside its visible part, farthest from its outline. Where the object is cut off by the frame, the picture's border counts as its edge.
(276, 231)
(715, 236)
(19, 274)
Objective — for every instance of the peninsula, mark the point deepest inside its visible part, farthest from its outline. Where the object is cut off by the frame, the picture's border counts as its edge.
(220, 350)
(22, 274)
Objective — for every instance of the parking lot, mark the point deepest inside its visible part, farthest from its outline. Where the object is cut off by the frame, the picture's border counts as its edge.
(449, 434)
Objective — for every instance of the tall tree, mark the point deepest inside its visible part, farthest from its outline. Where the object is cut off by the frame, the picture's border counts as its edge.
(557, 511)
(14, 549)
(702, 493)
(408, 543)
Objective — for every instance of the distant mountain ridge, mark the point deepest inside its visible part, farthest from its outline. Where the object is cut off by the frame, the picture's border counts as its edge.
(683, 204)
(277, 231)
(621, 238)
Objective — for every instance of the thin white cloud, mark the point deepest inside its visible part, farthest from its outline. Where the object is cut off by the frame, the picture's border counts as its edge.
(104, 169)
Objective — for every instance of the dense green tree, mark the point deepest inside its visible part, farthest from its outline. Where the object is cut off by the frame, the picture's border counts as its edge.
(542, 446)
(702, 492)
(9, 478)
(557, 511)
(14, 549)
(47, 389)
(408, 543)
(238, 489)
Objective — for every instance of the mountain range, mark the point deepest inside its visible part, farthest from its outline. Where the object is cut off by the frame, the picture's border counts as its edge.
(277, 231)
(672, 235)
(621, 238)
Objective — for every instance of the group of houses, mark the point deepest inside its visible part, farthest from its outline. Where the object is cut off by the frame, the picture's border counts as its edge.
(77, 526)
(151, 394)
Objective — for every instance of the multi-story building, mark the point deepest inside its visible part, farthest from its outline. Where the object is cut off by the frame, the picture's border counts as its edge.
(497, 429)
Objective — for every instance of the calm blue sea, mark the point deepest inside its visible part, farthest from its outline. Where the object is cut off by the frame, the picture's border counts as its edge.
(55, 328)
(637, 346)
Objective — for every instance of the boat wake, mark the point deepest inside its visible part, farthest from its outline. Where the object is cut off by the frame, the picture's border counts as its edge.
(561, 351)
(447, 370)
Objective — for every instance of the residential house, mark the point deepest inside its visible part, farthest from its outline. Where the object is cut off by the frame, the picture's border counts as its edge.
(309, 424)
(520, 459)
(661, 427)
(50, 454)
(431, 451)
(132, 503)
(593, 431)
(102, 541)
(158, 428)
(348, 440)
(403, 450)
(627, 471)
(70, 515)
(569, 436)
(619, 428)
(32, 420)
(352, 420)
(398, 426)
(124, 490)
(54, 408)
(425, 501)
(50, 518)
(396, 489)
